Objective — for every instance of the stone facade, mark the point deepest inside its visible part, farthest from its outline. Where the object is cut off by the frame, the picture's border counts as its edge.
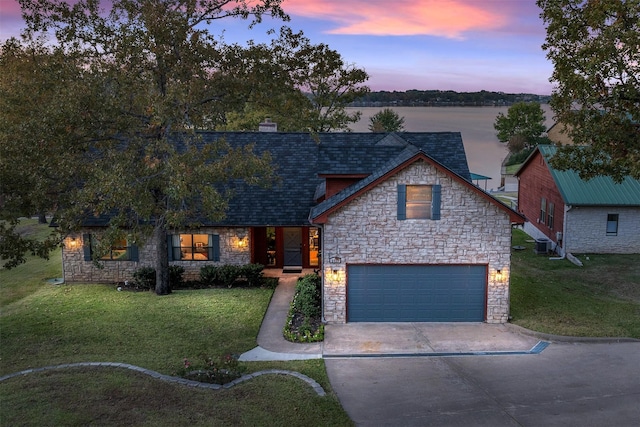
(586, 230)
(472, 230)
(76, 269)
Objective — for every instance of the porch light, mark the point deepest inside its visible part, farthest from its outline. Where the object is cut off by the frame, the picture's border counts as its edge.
(499, 275)
(335, 274)
(242, 242)
(73, 242)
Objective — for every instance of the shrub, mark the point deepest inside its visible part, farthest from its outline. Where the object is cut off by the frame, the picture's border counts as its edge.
(228, 274)
(215, 371)
(223, 275)
(145, 278)
(303, 322)
(270, 282)
(176, 279)
(208, 275)
(253, 273)
(307, 297)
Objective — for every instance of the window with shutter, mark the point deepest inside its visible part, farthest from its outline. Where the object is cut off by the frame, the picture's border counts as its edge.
(194, 247)
(419, 201)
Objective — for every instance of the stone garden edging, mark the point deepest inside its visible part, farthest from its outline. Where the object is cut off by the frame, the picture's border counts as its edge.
(178, 380)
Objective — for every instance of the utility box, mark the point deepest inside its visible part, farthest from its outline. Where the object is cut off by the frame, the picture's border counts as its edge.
(542, 246)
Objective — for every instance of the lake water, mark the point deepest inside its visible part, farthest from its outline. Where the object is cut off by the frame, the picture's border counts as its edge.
(484, 152)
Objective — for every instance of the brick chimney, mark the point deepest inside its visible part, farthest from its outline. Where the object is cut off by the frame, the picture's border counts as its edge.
(268, 126)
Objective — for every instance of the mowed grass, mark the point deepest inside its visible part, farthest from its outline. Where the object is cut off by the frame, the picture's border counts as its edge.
(43, 324)
(599, 299)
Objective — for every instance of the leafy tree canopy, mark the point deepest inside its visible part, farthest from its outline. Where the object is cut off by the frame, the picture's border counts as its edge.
(386, 120)
(300, 85)
(522, 127)
(88, 120)
(595, 49)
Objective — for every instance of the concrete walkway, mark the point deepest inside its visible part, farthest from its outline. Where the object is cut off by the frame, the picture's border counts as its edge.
(271, 342)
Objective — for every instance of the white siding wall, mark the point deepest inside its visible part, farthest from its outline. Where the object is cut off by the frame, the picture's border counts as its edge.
(587, 230)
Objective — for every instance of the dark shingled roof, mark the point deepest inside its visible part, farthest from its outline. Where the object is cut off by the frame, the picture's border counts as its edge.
(300, 158)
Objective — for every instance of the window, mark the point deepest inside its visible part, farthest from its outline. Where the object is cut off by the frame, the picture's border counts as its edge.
(194, 247)
(543, 210)
(418, 202)
(550, 215)
(122, 250)
(612, 224)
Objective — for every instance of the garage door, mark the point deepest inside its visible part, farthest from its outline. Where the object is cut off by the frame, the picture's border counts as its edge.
(416, 293)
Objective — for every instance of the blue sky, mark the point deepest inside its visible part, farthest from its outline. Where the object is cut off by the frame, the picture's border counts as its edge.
(462, 45)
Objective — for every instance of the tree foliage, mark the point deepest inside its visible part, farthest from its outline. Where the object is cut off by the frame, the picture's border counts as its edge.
(119, 97)
(300, 85)
(522, 127)
(595, 49)
(386, 120)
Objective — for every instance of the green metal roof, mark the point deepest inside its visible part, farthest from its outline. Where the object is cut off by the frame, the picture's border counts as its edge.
(478, 177)
(598, 191)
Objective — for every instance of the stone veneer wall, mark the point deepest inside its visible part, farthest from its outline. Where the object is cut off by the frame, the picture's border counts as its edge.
(471, 231)
(76, 269)
(586, 230)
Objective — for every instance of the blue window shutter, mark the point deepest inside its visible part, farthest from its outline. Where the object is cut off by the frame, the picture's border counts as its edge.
(133, 252)
(214, 247)
(402, 202)
(86, 246)
(170, 247)
(436, 191)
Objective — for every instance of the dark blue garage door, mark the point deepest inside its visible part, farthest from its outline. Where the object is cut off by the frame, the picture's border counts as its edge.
(416, 293)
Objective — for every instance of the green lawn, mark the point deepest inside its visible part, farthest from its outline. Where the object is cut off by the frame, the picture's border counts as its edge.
(43, 324)
(600, 299)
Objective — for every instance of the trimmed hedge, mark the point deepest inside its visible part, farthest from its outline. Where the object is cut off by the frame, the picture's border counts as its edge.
(227, 275)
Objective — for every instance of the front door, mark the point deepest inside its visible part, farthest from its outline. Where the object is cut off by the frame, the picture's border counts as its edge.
(292, 240)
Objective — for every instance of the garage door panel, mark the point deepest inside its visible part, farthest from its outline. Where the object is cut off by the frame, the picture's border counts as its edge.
(401, 293)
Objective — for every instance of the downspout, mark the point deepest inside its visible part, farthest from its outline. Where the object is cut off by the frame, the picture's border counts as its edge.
(567, 208)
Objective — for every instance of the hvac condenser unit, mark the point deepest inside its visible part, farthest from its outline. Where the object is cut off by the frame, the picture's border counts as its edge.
(542, 246)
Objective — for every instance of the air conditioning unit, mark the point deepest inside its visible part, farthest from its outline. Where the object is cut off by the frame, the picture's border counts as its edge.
(543, 246)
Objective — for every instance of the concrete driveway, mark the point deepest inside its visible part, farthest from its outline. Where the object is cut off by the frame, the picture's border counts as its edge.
(567, 384)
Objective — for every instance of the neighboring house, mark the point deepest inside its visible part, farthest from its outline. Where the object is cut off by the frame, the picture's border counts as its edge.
(559, 133)
(392, 221)
(578, 216)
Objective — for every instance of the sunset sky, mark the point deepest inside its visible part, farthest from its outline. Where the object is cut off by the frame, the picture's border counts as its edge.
(462, 45)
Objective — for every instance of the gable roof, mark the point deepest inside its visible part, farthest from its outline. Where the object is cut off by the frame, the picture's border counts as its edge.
(407, 157)
(598, 191)
(302, 160)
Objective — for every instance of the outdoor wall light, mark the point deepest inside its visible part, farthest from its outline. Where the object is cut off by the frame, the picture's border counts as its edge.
(499, 276)
(335, 275)
(242, 242)
(73, 242)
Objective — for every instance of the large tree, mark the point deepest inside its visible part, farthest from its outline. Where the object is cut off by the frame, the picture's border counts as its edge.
(595, 49)
(300, 85)
(522, 127)
(137, 78)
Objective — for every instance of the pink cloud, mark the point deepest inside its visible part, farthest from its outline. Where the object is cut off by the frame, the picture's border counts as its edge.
(443, 18)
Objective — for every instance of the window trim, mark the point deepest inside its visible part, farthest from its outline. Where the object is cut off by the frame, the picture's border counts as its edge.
(615, 222)
(403, 202)
(88, 247)
(212, 249)
(543, 210)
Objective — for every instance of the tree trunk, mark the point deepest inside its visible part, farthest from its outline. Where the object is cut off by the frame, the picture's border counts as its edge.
(42, 218)
(163, 287)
